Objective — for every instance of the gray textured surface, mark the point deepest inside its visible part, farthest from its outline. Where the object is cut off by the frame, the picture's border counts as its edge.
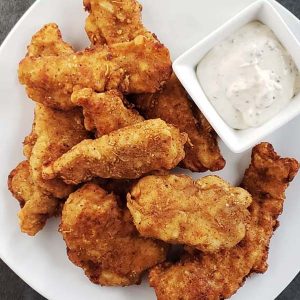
(11, 286)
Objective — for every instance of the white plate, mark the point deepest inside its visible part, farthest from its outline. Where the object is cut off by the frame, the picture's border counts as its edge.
(42, 261)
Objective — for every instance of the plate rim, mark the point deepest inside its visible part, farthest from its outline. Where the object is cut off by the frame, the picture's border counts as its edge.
(31, 8)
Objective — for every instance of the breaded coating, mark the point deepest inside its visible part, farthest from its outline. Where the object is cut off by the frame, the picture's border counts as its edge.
(54, 133)
(48, 42)
(219, 275)
(111, 22)
(140, 66)
(208, 214)
(36, 207)
(102, 239)
(127, 153)
(105, 112)
(119, 21)
(266, 179)
(173, 105)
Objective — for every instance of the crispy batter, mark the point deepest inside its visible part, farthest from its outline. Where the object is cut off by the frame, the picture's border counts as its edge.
(105, 112)
(208, 214)
(140, 66)
(111, 22)
(54, 133)
(218, 276)
(173, 105)
(266, 179)
(48, 42)
(127, 153)
(36, 207)
(102, 239)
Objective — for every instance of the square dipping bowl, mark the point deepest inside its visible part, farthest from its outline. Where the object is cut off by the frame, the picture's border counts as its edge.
(185, 69)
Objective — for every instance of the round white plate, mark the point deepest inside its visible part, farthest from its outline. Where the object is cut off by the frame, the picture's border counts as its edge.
(42, 261)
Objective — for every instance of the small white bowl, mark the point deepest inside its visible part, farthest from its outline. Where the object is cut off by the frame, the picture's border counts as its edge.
(185, 69)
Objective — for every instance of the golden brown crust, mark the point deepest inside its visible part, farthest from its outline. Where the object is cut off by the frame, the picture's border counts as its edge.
(266, 179)
(48, 42)
(54, 133)
(178, 210)
(173, 105)
(218, 276)
(140, 66)
(111, 22)
(102, 239)
(105, 112)
(36, 207)
(127, 153)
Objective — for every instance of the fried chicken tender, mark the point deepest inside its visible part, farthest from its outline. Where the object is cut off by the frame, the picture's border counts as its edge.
(208, 214)
(266, 179)
(54, 133)
(48, 42)
(140, 66)
(102, 239)
(36, 207)
(127, 153)
(173, 105)
(219, 275)
(105, 112)
(111, 22)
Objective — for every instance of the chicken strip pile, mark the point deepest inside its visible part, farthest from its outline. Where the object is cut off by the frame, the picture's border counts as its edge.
(118, 21)
(207, 214)
(105, 112)
(111, 22)
(127, 153)
(219, 275)
(48, 42)
(140, 66)
(36, 206)
(173, 105)
(102, 239)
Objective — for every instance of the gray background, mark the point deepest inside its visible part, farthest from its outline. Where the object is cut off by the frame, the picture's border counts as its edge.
(11, 286)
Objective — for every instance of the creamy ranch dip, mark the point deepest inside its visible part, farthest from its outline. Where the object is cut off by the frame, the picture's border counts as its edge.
(249, 77)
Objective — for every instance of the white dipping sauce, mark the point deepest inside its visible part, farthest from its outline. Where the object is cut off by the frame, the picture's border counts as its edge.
(249, 77)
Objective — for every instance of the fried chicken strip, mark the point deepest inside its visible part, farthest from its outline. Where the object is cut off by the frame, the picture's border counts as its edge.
(127, 153)
(173, 105)
(178, 210)
(102, 239)
(218, 276)
(140, 66)
(48, 42)
(54, 133)
(111, 22)
(105, 112)
(36, 207)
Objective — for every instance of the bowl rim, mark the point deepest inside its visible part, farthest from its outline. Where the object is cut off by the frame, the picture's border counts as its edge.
(237, 141)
